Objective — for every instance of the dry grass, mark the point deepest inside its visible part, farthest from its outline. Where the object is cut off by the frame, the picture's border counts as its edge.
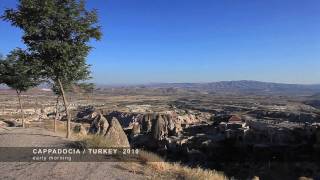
(155, 163)
(96, 141)
(305, 178)
(177, 170)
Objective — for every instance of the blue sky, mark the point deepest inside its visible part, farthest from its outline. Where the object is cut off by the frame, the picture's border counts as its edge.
(200, 40)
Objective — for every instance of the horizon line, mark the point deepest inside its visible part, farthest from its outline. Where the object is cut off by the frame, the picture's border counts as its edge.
(204, 82)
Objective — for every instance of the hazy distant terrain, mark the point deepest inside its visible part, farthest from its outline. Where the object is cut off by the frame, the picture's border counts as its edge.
(241, 87)
(233, 87)
(246, 87)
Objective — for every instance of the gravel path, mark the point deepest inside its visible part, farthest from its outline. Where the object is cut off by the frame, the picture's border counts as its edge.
(31, 137)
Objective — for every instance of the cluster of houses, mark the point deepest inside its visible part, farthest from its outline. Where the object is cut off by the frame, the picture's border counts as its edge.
(234, 128)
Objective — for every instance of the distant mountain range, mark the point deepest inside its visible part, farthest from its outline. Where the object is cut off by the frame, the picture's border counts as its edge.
(242, 87)
(247, 87)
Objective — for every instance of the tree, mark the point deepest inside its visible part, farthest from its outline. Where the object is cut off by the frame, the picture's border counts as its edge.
(18, 75)
(57, 91)
(56, 33)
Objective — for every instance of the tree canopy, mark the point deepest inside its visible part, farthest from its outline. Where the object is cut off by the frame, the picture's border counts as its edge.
(56, 33)
(16, 72)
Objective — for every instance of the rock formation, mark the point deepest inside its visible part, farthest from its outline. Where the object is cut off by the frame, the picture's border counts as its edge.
(147, 122)
(3, 124)
(155, 126)
(86, 114)
(111, 130)
(135, 129)
(8, 123)
(116, 134)
(172, 118)
(159, 128)
(164, 125)
(99, 125)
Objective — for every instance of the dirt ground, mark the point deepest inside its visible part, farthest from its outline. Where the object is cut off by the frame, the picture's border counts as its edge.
(31, 137)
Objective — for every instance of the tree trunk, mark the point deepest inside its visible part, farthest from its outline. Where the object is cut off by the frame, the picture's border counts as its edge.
(66, 108)
(21, 110)
(56, 116)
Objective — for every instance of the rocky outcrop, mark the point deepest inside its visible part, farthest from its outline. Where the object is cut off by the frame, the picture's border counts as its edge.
(8, 123)
(99, 125)
(3, 124)
(86, 114)
(177, 129)
(116, 134)
(159, 128)
(154, 126)
(187, 118)
(163, 126)
(126, 119)
(155, 129)
(147, 122)
(110, 129)
(135, 129)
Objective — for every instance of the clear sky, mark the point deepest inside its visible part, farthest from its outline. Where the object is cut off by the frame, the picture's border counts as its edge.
(200, 40)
